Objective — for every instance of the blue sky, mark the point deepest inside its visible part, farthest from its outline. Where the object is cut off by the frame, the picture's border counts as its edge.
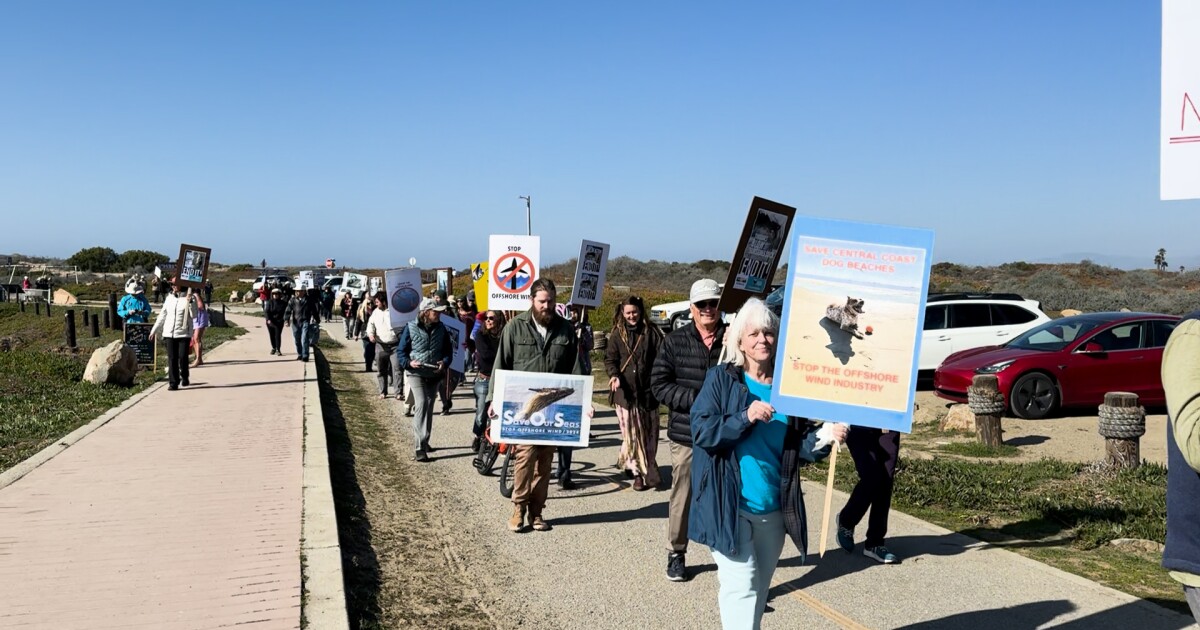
(372, 132)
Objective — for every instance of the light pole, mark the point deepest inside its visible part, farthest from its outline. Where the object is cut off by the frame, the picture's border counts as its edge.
(528, 219)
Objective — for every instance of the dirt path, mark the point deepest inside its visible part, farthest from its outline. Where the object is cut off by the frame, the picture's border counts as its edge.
(1069, 438)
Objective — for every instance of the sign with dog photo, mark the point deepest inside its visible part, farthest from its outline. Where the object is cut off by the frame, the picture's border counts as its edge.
(541, 408)
(757, 255)
(853, 311)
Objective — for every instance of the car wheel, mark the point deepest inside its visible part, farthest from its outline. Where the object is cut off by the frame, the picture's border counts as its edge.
(1034, 396)
(678, 322)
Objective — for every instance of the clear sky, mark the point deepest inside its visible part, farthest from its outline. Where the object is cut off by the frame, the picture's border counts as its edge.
(374, 132)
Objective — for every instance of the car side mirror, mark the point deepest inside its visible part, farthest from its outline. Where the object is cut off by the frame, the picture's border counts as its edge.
(1092, 347)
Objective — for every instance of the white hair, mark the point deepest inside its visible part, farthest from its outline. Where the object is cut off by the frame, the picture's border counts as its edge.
(754, 315)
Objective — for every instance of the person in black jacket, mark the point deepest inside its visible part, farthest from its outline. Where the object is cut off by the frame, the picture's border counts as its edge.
(274, 311)
(675, 379)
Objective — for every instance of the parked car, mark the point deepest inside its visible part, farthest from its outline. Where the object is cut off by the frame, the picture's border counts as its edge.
(1068, 362)
(280, 278)
(960, 321)
(683, 317)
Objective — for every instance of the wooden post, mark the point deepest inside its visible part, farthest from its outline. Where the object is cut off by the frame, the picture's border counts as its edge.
(37, 308)
(69, 330)
(107, 322)
(112, 320)
(1122, 423)
(95, 327)
(85, 318)
(22, 303)
(47, 307)
(987, 403)
(828, 497)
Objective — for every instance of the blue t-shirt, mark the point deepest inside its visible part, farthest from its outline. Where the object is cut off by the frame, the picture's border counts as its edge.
(760, 456)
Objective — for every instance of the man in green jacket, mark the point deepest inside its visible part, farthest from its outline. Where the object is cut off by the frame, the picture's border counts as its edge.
(538, 340)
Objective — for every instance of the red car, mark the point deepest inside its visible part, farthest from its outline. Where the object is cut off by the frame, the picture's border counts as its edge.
(1068, 362)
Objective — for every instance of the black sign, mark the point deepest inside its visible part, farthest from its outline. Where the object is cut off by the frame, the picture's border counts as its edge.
(137, 337)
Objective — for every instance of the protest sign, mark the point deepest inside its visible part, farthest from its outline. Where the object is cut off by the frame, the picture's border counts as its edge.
(589, 274)
(138, 338)
(375, 283)
(541, 408)
(479, 280)
(164, 271)
(757, 255)
(404, 295)
(458, 339)
(305, 280)
(513, 266)
(445, 280)
(1179, 120)
(852, 317)
(355, 283)
(192, 266)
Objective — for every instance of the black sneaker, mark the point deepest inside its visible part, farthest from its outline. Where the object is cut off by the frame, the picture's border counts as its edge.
(677, 567)
(184, 383)
(475, 444)
(565, 483)
(420, 456)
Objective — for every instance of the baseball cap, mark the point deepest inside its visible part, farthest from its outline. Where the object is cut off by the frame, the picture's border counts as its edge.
(430, 304)
(705, 289)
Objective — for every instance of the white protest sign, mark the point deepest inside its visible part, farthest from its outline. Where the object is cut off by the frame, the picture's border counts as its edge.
(541, 408)
(305, 280)
(512, 268)
(458, 340)
(589, 274)
(355, 283)
(1179, 122)
(404, 295)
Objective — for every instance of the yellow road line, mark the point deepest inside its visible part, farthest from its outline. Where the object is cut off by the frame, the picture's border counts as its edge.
(823, 609)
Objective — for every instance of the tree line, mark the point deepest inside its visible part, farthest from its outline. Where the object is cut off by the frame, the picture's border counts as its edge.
(105, 260)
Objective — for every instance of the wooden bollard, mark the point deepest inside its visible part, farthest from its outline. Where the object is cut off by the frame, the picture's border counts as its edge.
(987, 403)
(107, 324)
(95, 326)
(69, 328)
(47, 308)
(22, 303)
(112, 320)
(86, 322)
(1122, 423)
(37, 308)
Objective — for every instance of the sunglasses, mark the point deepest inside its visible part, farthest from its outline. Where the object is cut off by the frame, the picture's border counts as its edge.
(490, 319)
(706, 304)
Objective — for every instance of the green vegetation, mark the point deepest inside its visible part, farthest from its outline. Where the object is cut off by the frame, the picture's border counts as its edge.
(104, 259)
(1063, 514)
(976, 449)
(44, 397)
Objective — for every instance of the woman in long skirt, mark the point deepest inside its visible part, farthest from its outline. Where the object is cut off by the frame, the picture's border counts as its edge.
(632, 346)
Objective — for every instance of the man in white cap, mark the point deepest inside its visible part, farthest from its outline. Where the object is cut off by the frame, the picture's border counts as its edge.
(675, 379)
(425, 351)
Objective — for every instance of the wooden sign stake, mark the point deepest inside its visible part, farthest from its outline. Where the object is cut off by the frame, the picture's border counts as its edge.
(828, 496)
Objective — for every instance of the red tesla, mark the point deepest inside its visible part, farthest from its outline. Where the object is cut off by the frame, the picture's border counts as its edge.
(1068, 362)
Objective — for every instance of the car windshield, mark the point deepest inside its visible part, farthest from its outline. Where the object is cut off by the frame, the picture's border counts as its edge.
(1054, 335)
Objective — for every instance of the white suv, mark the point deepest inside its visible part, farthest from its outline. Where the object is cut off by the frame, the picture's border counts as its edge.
(959, 321)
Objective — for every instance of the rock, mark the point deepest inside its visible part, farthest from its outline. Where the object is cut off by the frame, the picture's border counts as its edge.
(115, 364)
(63, 296)
(959, 418)
(1068, 312)
(1138, 544)
(1125, 310)
(6, 344)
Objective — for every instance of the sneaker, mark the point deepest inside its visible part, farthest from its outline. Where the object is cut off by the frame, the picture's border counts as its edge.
(420, 456)
(845, 536)
(565, 483)
(538, 524)
(881, 554)
(185, 383)
(676, 567)
(475, 444)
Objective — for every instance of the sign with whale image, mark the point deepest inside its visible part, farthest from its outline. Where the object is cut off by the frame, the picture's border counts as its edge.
(541, 408)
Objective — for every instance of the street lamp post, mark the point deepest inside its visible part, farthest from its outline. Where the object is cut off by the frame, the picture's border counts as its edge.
(528, 211)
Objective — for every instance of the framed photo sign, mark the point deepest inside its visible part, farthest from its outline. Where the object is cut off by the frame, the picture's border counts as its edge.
(757, 255)
(193, 265)
(541, 408)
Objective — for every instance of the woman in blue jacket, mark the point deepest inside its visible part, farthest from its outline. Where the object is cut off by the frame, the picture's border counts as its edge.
(745, 458)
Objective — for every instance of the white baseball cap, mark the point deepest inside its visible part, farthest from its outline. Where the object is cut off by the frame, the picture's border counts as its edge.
(705, 289)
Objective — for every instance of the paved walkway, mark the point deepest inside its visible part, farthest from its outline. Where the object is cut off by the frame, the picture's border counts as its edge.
(183, 511)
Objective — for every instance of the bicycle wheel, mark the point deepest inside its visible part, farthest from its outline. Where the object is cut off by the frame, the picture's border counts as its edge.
(506, 475)
(485, 461)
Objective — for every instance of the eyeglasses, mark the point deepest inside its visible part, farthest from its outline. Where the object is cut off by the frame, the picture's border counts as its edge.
(490, 319)
(706, 304)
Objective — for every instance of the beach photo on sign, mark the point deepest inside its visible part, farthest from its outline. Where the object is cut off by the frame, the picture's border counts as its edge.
(852, 323)
(539, 408)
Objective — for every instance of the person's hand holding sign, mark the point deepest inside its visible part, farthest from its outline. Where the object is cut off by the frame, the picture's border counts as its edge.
(760, 411)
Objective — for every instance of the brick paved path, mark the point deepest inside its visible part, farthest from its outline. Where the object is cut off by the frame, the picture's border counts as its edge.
(184, 511)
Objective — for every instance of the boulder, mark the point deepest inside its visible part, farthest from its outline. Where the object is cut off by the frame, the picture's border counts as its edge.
(1138, 544)
(959, 418)
(1068, 312)
(63, 296)
(115, 364)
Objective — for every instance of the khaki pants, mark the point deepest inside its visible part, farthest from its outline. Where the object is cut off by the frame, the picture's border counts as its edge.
(681, 497)
(531, 476)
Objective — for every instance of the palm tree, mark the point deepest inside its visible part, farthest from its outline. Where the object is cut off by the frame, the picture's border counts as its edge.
(1160, 259)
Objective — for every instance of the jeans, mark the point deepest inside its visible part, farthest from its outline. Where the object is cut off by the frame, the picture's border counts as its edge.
(481, 419)
(300, 336)
(875, 454)
(368, 353)
(745, 577)
(424, 393)
(177, 360)
(314, 334)
(1193, 599)
(385, 357)
(349, 323)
